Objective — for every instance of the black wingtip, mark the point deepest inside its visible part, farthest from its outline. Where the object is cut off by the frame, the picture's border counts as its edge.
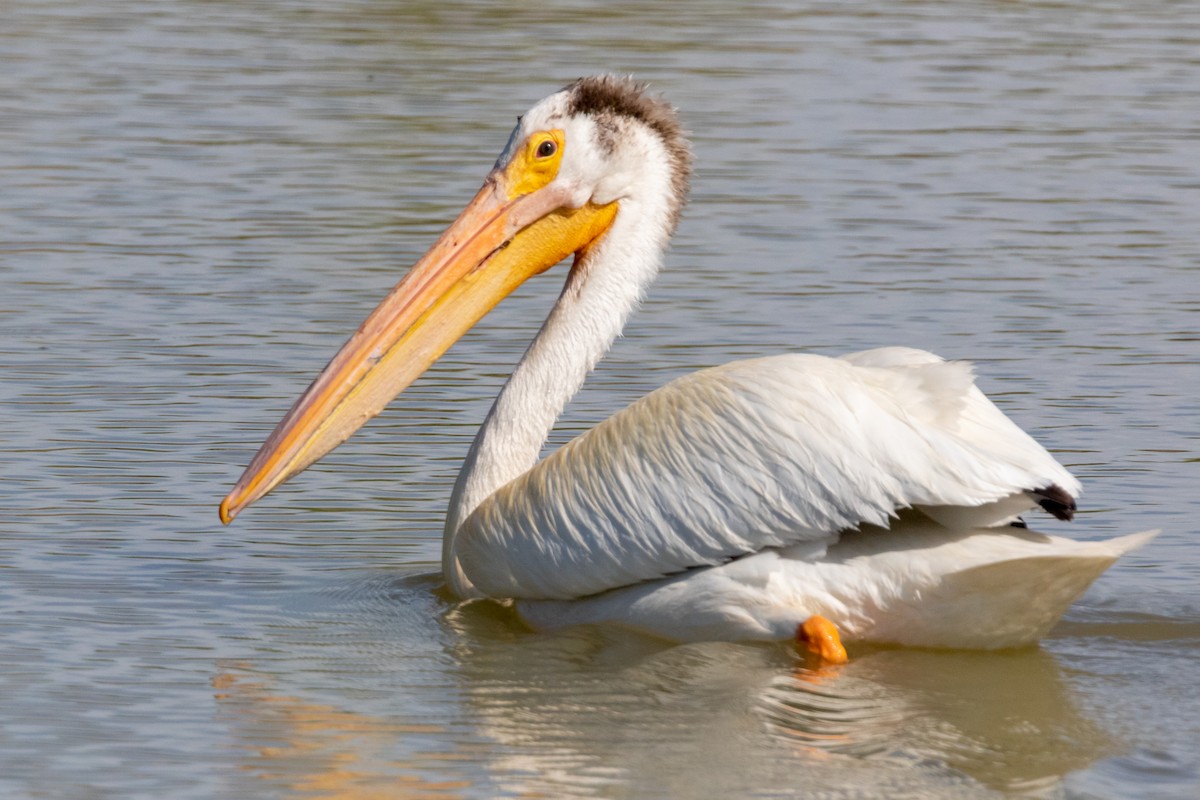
(1056, 501)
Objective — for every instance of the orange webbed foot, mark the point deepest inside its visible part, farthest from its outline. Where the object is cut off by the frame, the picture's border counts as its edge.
(821, 637)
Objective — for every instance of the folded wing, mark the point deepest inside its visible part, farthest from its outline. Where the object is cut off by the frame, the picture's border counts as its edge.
(756, 454)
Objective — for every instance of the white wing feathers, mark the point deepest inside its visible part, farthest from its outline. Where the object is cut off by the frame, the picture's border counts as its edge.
(749, 455)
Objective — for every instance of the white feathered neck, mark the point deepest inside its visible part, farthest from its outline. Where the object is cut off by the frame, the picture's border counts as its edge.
(602, 289)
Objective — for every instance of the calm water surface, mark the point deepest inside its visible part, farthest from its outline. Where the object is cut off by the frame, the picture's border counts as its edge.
(200, 200)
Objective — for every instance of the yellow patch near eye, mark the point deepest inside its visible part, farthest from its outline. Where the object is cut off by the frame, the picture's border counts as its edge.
(537, 164)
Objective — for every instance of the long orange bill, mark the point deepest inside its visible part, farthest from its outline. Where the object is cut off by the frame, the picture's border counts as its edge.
(496, 244)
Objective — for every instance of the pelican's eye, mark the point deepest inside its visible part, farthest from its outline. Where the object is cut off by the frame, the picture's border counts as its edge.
(536, 164)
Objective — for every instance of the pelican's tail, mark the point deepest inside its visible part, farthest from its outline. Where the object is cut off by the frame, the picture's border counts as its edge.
(990, 591)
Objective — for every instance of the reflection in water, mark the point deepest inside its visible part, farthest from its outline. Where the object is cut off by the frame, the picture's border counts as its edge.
(827, 710)
(592, 712)
(320, 750)
(1006, 719)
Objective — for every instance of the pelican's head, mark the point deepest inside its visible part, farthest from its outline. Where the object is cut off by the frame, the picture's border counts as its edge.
(599, 141)
(600, 148)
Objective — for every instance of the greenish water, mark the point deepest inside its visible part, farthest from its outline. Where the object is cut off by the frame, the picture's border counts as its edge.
(200, 200)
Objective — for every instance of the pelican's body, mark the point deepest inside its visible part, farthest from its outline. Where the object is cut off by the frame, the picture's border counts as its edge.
(737, 462)
(878, 490)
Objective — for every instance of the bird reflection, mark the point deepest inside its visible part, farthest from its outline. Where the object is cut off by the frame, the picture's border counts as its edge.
(595, 711)
(321, 751)
(1005, 719)
(821, 709)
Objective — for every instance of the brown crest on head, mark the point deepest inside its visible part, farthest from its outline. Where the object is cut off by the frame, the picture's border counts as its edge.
(611, 98)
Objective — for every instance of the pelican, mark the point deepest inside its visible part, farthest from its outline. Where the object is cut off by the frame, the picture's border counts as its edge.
(872, 497)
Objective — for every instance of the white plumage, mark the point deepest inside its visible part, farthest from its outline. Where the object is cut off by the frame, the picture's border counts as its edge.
(916, 583)
(749, 455)
(878, 490)
(765, 461)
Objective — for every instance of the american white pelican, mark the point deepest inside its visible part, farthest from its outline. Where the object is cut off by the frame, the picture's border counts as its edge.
(762, 499)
